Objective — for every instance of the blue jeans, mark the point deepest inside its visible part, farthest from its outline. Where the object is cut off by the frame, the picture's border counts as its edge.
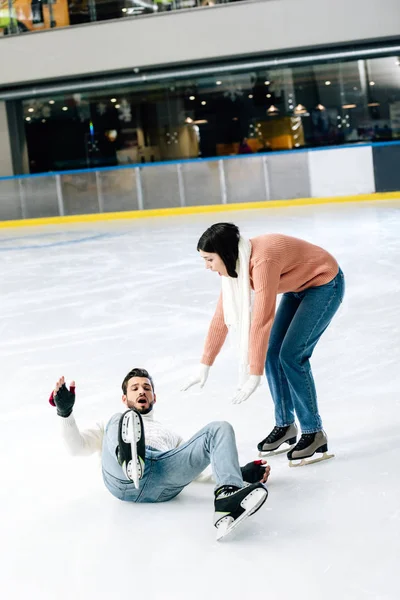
(167, 473)
(299, 322)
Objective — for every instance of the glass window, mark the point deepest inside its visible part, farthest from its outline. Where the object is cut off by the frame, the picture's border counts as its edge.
(217, 115)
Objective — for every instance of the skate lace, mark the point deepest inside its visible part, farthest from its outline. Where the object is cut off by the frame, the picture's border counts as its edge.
(305, 440)
(273, 435)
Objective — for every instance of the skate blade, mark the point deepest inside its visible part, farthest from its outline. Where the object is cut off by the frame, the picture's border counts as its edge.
(266, 453)
(252, 503)
(131, 432)
(304, 461)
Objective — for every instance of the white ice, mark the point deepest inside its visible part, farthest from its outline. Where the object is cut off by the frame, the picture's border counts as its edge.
(91, 301)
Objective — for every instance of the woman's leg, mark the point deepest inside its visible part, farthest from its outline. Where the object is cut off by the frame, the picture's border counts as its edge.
(316, 310)
(278, 384)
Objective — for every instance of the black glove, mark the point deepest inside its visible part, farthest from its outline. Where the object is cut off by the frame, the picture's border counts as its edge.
(64, 400)
(253, 472)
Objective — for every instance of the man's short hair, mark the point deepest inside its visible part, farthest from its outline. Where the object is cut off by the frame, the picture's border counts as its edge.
(136, 373)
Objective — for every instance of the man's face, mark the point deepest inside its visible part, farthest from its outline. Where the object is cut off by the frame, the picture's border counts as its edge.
(139, 395)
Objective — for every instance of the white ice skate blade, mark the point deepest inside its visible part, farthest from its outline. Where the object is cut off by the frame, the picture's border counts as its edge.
(266, 453)
(251, 504)
(131, 433)
(304, 461)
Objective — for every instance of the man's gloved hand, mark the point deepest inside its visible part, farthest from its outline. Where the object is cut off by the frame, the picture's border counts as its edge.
(255, 471)
(200, 378)
(63, 398)
(247, 389)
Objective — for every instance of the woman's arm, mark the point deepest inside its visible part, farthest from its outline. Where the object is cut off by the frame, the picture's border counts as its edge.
(216, 337)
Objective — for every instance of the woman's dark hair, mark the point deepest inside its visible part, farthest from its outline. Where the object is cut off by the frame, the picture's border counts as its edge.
(222, 239)
(136, 373)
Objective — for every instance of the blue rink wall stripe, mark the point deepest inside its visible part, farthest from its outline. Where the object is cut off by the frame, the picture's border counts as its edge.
(199, 160)
(190, 210)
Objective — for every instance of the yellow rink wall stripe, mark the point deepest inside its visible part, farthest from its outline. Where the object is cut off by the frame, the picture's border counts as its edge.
(191, 210)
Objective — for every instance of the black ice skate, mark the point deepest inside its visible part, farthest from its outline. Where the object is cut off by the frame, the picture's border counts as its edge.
(308, 445)
(278, 436)
(131, 446)
(233, 505)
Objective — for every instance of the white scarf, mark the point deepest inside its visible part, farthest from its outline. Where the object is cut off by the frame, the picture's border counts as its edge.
(236, 298)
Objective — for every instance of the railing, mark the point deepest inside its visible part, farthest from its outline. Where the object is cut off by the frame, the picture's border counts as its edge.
(21, 16)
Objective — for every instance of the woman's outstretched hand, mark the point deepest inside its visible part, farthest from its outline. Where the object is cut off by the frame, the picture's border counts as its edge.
(247, 389)
(199, 378)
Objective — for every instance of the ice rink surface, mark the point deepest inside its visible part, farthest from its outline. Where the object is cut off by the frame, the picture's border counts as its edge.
(92, 301)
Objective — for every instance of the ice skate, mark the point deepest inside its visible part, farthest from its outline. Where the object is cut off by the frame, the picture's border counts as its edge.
(278, 436)
(308, 445)
(233, 505)
(131, 446)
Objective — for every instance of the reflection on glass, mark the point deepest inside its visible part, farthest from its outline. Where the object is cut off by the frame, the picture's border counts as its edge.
(209, 117)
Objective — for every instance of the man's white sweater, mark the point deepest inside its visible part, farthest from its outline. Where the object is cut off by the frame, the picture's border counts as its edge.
(91, 440)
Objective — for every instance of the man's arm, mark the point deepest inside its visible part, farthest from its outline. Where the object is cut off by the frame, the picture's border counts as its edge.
(78, 444)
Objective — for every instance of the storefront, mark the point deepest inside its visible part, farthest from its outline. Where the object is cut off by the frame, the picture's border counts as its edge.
(215, 113)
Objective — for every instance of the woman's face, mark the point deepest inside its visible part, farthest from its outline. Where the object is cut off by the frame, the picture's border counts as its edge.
(214, 262)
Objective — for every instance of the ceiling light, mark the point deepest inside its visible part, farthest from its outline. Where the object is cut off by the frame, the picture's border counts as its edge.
(192, 97)
(327, 83)
(187, 120)
(268, 95)
(27, 119)
(65, 107)
(267, 82)
(31, 109)
(320, 107)
(117, 106)
(300, 110)
(347, 106)
(51, 101)
(113, 99)
(372, 83)
(204, 103)
(272, 110)
(218, 82)
(373, 104)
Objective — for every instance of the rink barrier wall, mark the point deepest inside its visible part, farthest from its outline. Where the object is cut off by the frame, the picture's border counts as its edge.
(190, 210)
(347, 173)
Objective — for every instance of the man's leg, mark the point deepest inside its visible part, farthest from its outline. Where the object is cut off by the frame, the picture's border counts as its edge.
(115, 475)
(214, 444)
(234, 500)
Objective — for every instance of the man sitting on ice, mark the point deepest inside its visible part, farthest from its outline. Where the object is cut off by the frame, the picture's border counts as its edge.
(143, 461)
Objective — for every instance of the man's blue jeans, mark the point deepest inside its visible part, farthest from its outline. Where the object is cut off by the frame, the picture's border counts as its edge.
(299, 322)
(167, 473)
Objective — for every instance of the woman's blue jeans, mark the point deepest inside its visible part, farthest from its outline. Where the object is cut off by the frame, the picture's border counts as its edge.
(299, 322)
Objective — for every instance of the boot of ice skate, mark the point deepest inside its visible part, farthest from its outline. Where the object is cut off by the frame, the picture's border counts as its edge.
(308, 445)
(278, 436)
(233, 505)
